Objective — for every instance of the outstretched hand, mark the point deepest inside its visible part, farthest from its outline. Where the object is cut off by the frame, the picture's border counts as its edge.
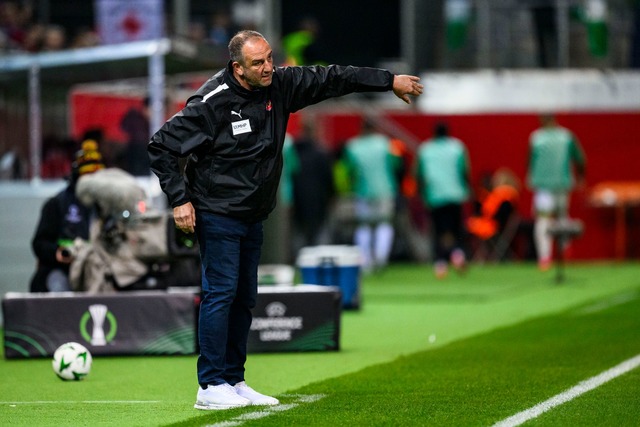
(405, 85)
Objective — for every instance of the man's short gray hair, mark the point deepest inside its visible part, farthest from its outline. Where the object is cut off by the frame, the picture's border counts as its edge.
(238, 41)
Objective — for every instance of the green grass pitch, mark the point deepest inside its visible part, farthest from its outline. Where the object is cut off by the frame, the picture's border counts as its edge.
(470, 350)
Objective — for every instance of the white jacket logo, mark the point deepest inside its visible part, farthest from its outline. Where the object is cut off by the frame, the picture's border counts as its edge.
(237, 114)
(242, 126)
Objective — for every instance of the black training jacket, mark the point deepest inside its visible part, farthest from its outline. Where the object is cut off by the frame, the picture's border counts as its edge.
(233, 137)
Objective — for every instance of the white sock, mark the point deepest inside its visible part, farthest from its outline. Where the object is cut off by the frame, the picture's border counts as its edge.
(383, 243)
(543, 240)
(363, 241)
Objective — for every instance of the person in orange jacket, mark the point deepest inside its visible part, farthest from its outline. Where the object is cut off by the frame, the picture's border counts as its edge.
(496, 206)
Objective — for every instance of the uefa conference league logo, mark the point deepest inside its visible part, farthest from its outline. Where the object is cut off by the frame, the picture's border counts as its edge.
(98, 313)
(276, 326)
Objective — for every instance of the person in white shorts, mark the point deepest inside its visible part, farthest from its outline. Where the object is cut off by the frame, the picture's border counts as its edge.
(556, 164)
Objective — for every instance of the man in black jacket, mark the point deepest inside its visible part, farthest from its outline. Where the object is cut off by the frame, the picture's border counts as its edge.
(232, 130)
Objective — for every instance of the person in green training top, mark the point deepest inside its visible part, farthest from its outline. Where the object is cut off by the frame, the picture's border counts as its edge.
(443, 170)
(303, 47)
(554, 155)
(371, 166)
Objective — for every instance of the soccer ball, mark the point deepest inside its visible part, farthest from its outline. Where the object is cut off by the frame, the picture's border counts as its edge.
(72, 361)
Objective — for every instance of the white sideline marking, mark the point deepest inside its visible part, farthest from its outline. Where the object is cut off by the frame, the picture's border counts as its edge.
(265, 411)
(608, 303)
(570, 394)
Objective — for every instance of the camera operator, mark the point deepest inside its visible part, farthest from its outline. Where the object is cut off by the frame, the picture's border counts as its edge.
(63, 219)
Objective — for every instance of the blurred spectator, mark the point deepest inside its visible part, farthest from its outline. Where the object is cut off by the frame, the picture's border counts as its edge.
(302, 47)
(63, 219)
(248, 14)
(496, 205)
(341, 180)
(11, 165)
(554, 155)
(14, 21)
(57, 158)
(34, 38)
(408, 207)
(135, 123)
(546, 31)
(54, 38)
(85, 37)
(443, 171)
(312, 189)
(372, 168)
(341, 220)
(41, 38)
(197, 32)
(222, 28)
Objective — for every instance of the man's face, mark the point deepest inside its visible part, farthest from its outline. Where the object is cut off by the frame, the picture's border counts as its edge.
(256, 70)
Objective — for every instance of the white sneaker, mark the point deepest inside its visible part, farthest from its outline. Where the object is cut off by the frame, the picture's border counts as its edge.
(256, 398)
(221, 396)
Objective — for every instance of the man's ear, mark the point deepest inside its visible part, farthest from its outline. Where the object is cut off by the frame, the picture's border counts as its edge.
(237, 68)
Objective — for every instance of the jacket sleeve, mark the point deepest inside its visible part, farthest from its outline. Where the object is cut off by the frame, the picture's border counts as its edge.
(309, 85)
(177, 138)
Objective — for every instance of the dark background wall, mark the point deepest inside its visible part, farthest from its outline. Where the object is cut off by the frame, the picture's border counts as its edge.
(360, 34)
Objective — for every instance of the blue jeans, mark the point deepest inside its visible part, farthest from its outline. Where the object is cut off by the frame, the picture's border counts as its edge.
(230, 254)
